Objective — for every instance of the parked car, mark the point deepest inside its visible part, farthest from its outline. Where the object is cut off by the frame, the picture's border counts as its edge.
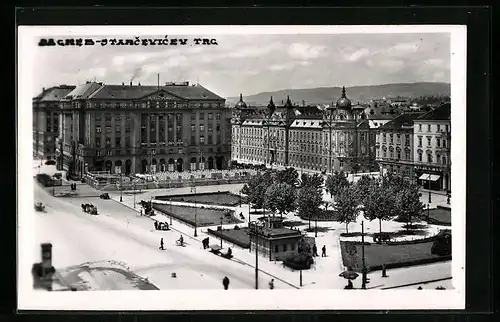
(50, 162)
(104, 196)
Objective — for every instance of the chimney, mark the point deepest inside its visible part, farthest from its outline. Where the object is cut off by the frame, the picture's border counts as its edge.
(130, 83)
(123, 84)
(139, 84)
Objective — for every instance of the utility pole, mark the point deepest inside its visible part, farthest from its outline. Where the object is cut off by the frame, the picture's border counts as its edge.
(429, 180)
(121, 186)
(256, 260)
(364, 271)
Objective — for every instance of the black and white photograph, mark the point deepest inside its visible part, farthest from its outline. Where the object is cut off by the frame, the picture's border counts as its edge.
(241, 167)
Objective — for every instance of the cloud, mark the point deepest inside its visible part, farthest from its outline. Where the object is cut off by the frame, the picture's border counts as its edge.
(404, 48)
(304, 51)
(289, 65)
(357, 55)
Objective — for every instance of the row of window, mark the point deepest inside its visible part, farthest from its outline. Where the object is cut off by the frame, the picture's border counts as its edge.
(201, 116)
(429, 127)
(398, 138)
(440, 143)
(152, 104)
(407, 153)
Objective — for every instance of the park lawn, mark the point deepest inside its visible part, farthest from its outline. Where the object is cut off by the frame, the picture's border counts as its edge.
(239, 237)
(439, 216)
(204, 216)
(213, 198)
(391, 256)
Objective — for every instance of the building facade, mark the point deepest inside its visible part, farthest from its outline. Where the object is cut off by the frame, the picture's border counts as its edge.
(432, 138)
(46, 120)
(309, 138)
(143, 129)
(395, 146)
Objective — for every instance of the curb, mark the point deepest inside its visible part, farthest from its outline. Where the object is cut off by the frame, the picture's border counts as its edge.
(417, 283)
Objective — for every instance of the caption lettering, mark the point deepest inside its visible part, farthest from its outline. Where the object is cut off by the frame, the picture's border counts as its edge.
(136, 41)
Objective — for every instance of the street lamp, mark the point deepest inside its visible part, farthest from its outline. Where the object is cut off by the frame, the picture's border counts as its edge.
(429, 180)
(195, 211)
(254, 230)
(121, 186)
(364, 270)
(133, 185)
(221, 218)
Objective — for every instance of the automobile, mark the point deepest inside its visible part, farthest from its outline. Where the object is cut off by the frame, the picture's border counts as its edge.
(50, 162)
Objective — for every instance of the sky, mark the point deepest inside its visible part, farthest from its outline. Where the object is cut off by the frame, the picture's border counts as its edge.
(251, 64)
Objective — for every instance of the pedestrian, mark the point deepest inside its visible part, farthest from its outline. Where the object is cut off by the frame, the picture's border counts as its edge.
(141, 212)
(161, 244)
(315, 250)
(271, 284)
(323, 251)
(225, 282)
(156, 225)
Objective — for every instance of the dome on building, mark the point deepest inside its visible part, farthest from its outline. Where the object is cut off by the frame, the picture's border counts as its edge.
(343, 101)
(241, 104)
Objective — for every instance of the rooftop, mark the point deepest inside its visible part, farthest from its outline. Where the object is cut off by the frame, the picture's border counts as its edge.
(400, 121)
(441, 113)
(55, 93)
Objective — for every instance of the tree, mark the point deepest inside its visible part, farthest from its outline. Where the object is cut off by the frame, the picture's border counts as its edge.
(334, 183)
(289, 175)
(256, 188)
(380, 203)
(309, 200)
(408, 203)
(280, 197)
(315, 180)
(347, 206)
(362, 188)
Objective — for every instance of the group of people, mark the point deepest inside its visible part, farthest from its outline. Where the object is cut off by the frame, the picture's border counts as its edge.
(179, 242)
(315, 251)
(205, 242)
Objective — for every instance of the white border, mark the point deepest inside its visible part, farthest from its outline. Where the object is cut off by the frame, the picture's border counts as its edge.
(236, 299)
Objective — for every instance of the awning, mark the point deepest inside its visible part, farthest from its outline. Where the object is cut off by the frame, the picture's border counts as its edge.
(431, 177)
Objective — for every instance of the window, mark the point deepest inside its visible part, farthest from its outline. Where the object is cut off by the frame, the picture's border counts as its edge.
(276, 249)
(407, 154)
(178, 117)
(118, 141)
(420, 127)
(391, 152)
(444, 143)
(118, 128)
(391, 138)
(428, 127)
(407, 140)
(193, 140)
(202, 128)
(202, 116)
(118, 118)
(98, 142)
(444, 159)
(179, 151)
(202, 139)
(285, 247)
(210, 139)
(217, 127)
(398, 153)
(438, 158)
(420, 156)
(209, 127)
(108, 117)
(384, 137)
(438, 142)
(108, 129)
(153, 151)
(429, 157)
(109, 153)
(446, 128)
(193, 116)
(217, 116)
(439, 127)
(98, 129)
(210, 116)
(98, 153)
(108, 141)
(193, 128)
(429, 141)
(420, 141)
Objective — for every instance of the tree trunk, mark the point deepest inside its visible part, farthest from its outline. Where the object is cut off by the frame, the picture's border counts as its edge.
(409, 222)
(347, 228)
(380, 225)
(309, 217)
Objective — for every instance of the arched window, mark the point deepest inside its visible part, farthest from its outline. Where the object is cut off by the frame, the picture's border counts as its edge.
(391, 152)
(398, 153)
(429, 157)
(384, 148)
(420, 155)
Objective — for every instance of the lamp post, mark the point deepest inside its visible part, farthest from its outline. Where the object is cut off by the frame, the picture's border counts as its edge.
(363, 271)
(133, 185)
(429, 180)
(221, 218)
(195, 213)
(121, 186)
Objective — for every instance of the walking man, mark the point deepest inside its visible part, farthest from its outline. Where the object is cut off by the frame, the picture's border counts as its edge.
(323, 251)
(271, 284)
(315, 250)
(225, 282)
(161, 244)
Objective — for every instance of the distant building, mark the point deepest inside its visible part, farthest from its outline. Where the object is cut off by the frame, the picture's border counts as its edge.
(432, 137)
(143, 129)
(309, 138)
(395, 146)
(273, 240)
(46, 120)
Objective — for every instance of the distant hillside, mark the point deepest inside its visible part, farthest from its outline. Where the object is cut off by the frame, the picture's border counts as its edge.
(325, 95)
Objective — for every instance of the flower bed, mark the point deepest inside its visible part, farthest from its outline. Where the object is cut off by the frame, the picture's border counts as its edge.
(238, 237)
(204, 216)
(392, 255)
(222, 198)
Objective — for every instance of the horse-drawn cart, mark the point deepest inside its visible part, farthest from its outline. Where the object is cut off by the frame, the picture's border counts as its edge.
(161, 225)
(39, 207)
(217, 250)
(90, 209)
